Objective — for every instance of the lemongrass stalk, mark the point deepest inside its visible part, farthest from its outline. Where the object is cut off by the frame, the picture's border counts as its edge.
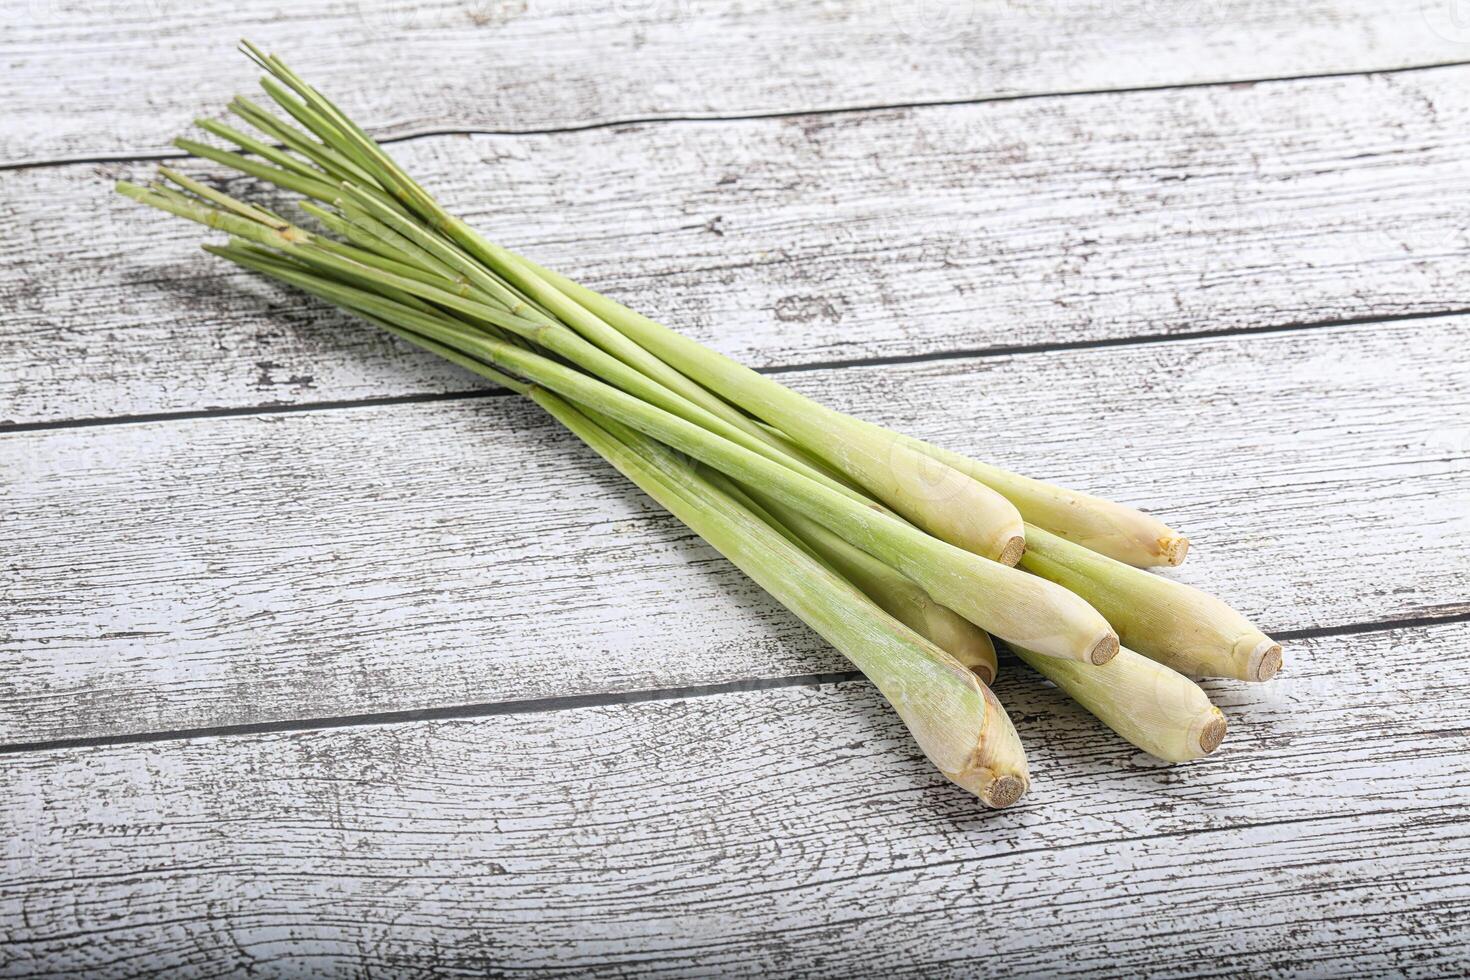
(339, 130)
(557, 338)
(375, 237)
(341, 262)
(322, 190)
(1157, 709)
(319, 154)
(1101, 525)
(958, 723)
(323, 156)
(894, 593)
(452, 355)
(332, 160)
(260, 226)
(377, 260)
(195, 210)
(520, 292)
(1187, 629)
(334, 128)
(254, 212)
(261, 149)
(964, 516)
(955, 719)
(396, 231)
(938, 498)
(1017, 607)
(412, 285)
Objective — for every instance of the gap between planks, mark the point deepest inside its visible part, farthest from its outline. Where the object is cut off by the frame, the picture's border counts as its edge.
(1013, 350)
(363, 826)
(546, 705)
(661, 120)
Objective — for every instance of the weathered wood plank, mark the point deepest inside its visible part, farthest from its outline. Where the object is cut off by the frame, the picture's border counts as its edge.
(802, 240)
(116, 78)
(1329, 835)
(212, 571)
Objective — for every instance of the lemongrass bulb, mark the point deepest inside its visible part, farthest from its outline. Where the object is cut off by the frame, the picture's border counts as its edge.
(995, 769)
(895, 593)
(957, 721)
(933, 495)
(942, 626)
(1175, 624)
(1157, 709)
(1104, 526)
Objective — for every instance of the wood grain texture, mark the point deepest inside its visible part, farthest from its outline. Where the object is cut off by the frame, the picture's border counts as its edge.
(230, 570)
(806, 240)
(279, 566)
(663, 837)
(130, 73)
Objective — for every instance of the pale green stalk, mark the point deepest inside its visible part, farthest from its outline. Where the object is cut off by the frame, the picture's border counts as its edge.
(1101, 525)
(378, 274)
(1157, 709)
(291, 180)
(955, 719)
(261, 149)
(375, 237)
(328, 160)
(334, 128)
(372, 224)
(243, 209)
(1182, 627)
(896, 594)
(949, 504)
(1008, 603)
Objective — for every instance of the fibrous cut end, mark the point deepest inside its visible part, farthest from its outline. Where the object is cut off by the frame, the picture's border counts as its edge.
(1211, 732)
(1105, 650)
(1012, 551)
(1172, 549)
(1265, 661)
(1004, 791)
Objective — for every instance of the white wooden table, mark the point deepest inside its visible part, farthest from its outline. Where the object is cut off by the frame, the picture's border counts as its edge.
(318, 657)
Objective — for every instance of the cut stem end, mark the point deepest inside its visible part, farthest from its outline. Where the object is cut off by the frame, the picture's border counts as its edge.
(1173, 550)
(1210, 731)
(1105, 650)
(1265, 661)
(1012, 551)
(1004, 791)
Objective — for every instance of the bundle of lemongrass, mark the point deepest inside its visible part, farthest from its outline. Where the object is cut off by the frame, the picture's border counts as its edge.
(901, 554)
